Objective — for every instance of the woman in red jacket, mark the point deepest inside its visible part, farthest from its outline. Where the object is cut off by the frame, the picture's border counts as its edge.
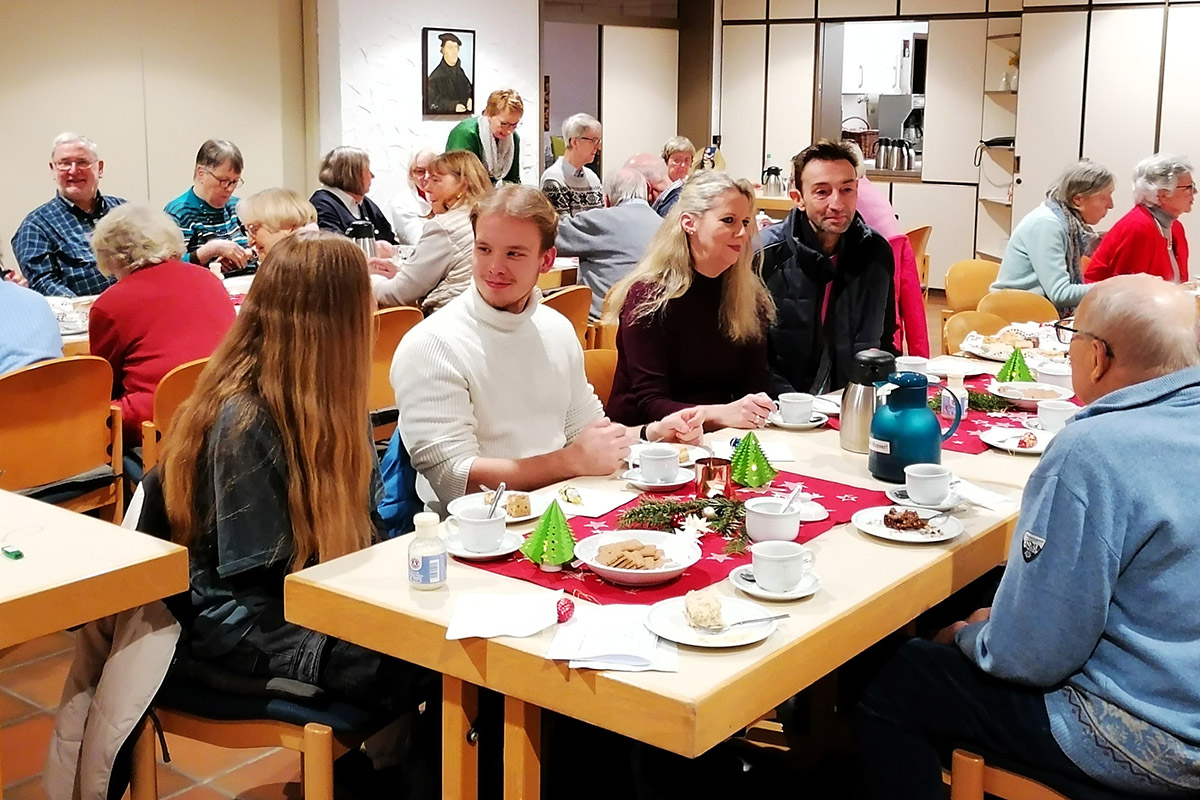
(1150, 238)
(159, 314)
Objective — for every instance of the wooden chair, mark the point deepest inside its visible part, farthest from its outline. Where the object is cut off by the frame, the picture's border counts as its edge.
(919, 239)
(574, 302)
(1015, 305)
(175, 387)
(970, 779)
(600, 366)
(604, 336)
(966, 284)
(61, 435)
(391, 324)
(962, 323)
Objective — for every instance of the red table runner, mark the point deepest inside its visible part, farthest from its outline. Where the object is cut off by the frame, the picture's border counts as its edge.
(714, 565)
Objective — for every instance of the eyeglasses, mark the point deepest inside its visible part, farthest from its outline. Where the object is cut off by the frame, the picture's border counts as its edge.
(510, 126)
(591, 139)
(1066, 333)
(1191, 187)
(225, 183)
(65, 166)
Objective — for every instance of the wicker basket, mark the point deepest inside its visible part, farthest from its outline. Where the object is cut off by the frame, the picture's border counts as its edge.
(866, 139)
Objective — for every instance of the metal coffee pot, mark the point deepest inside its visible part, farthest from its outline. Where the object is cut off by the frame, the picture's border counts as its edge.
(868, 374)
(772, 182)
(363, 234)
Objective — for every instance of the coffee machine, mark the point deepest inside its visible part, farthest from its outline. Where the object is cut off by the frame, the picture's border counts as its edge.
(902, 116)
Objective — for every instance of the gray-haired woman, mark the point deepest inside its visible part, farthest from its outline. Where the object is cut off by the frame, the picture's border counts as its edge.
(1150, 238)
(1045, 250)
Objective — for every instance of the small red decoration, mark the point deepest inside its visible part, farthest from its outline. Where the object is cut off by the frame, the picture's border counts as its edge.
(566, 607)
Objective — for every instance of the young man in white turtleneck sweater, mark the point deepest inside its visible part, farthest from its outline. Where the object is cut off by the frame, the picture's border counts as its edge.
(492, 387)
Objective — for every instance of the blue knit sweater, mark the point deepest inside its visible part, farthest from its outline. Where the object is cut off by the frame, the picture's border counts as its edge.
(1099, 601)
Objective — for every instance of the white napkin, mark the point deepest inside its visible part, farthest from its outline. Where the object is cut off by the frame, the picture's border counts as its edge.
(774, 451)
(485, 616)
(979, 496)
(596, 502)
(612, 637)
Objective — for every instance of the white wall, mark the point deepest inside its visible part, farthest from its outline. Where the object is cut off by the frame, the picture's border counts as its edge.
(370, 77)
(571, 57)
(639, 96)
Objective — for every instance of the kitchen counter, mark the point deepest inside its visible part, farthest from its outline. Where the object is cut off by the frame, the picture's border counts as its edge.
(894, 175)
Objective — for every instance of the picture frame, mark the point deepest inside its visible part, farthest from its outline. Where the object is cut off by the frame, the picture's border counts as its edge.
(447, 72)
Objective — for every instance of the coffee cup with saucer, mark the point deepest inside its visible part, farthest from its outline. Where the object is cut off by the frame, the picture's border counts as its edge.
(927, 484)
(743, 579)
(780, 566)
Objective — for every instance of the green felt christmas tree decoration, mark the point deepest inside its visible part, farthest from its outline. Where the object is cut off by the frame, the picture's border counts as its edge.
(551, 544)
(1015, 369)
(749, 467)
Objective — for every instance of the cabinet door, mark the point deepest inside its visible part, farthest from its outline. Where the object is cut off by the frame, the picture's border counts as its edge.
(954, 99)
(743, 75)
(1180, 129)
(832, 9)
(790, 65)
(1049, 102)
(793, 9)
(1122, 95)
(908, 7)
(950, 210)
(744, 9)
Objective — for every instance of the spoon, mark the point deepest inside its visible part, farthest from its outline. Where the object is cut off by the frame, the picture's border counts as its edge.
(787, 505)
(723, 628)
(496, 500)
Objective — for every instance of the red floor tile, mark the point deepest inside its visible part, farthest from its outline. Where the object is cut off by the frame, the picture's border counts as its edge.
(273, 777)
(12, 708)
(29, 790)
(38, 648)
(201, 793)
(39, 682)
(200, 761)
(23, 747)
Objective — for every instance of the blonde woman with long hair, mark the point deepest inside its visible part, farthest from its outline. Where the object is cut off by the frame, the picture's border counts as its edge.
(439, 268)
(269, 469)
(694, 314)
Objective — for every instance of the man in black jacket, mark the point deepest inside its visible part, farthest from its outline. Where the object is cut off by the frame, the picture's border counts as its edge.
(832, 277)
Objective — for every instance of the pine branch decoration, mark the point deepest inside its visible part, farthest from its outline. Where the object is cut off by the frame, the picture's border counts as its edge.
(728, 518)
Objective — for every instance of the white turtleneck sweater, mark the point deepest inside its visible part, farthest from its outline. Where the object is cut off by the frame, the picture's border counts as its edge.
(474, 381)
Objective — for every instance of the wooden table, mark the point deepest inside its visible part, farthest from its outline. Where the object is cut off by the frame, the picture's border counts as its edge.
(565, 272)
(75, 569)
(870, 588)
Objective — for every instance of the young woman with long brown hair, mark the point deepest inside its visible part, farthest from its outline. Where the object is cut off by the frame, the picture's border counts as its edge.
(269, 469)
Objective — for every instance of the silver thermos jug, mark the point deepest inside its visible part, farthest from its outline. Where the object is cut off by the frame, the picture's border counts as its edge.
(363, 234)
(869, 371)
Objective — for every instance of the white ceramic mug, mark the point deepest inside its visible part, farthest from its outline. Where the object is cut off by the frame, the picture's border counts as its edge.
(766, 520)
(1055, 374)
(927, 484)
(1053, 415)
(479, 533)
(795, 407)
(916, 364)
(780, 566)
(658, 463)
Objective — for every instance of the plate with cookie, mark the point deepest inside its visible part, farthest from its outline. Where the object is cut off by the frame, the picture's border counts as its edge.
(687, 453)
(688, 620)
(636, 557)
(518, 506)
(908, 525)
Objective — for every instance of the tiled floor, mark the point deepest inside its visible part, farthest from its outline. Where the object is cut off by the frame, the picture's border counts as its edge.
(31, 681)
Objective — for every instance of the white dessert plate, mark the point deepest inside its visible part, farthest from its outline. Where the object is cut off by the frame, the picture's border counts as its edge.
(1007, 439)
(666, 619)
(679, 552)
(870, 521)
(1019, 393)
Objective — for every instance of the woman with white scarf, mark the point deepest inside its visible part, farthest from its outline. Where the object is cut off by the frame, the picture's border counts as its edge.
(493, 136)
(1045, 250)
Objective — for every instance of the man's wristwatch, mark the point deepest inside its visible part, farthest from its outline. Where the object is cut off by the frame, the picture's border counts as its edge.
(643, 435)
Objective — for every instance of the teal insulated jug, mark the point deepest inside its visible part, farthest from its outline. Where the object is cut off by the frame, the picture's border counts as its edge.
(905, 430)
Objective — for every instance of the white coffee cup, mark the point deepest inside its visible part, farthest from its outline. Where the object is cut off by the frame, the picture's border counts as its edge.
(479, 533)
(766, 519)
(927, 484)
(1055, 374)
(912, 364)
(795, 407)
(659, 463)
(1054, 414)
(780, 566)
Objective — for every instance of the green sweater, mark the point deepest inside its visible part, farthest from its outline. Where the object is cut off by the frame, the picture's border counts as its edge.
(465, 136)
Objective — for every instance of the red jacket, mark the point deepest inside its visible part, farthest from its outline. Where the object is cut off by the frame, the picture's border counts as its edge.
(152, 321)
(910, 300)
(1136, 244)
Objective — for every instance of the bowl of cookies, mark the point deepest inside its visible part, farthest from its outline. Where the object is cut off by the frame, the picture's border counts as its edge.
(637, 557)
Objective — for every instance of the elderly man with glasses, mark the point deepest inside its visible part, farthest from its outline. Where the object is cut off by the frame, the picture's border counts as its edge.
(52, 244)
(1083, 670)
(568, 183)
(206, 213)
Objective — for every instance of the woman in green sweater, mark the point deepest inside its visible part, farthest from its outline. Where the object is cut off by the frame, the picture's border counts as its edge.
(499, 147)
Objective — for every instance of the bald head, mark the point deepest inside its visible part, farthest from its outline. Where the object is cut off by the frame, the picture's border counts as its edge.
(654, 170)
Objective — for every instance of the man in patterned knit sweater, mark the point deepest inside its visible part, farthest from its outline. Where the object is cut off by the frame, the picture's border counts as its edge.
(569, 185)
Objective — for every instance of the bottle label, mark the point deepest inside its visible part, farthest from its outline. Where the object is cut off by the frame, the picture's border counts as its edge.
(880, 446)
(427, 570)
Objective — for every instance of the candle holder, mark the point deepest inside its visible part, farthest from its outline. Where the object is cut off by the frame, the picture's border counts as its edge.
(713, 478)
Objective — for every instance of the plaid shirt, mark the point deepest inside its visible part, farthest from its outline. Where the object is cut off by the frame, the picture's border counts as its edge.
(53, 245)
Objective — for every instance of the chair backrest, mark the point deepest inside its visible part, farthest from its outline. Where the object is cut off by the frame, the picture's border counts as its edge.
(175, 387)
(919, 239)
(600, 366)
(972, 779)
(58, 421)
(967, 282)
(390, 326)
(573, 303)
(1015, 305)
(962, 323)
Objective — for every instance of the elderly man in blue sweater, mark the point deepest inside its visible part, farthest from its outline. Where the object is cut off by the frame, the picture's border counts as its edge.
(1086, 669)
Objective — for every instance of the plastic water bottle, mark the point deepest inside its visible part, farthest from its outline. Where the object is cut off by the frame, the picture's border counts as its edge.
(426, 554)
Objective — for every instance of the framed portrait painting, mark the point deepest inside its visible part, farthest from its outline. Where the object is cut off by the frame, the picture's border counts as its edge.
(447, 71)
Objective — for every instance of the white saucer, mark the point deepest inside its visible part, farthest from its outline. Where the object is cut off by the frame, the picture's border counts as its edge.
(817, 420)
(743, 578)
(682, 478)
(812, 511)
(693, 453)
(900, 497)
(509, 543)
(538, 503)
